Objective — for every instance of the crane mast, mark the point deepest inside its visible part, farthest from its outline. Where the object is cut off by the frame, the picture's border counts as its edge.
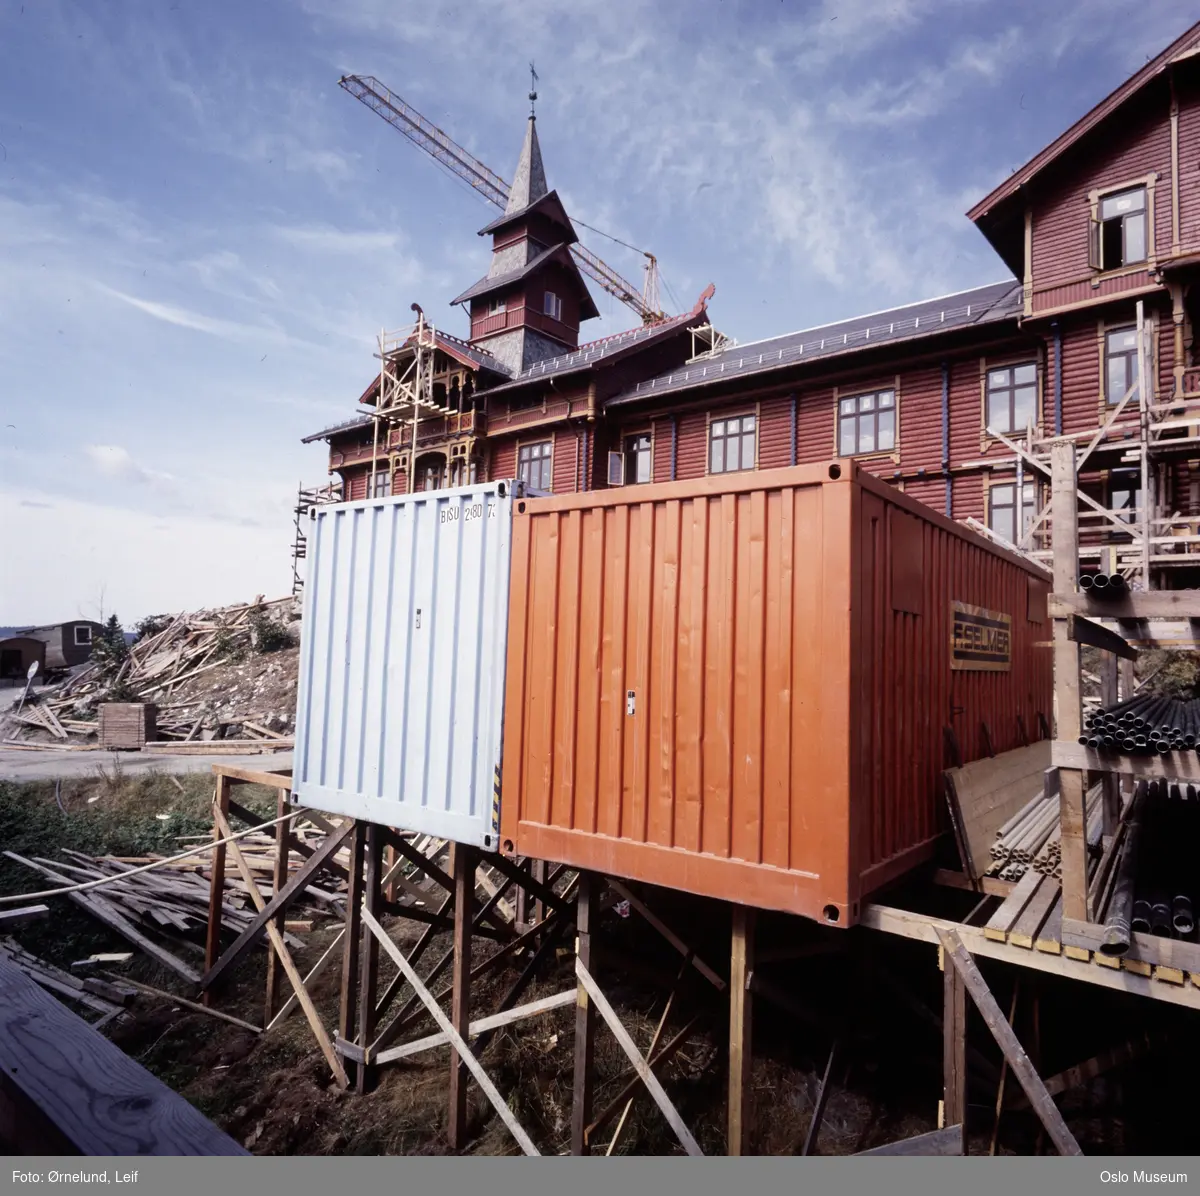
(425, 135)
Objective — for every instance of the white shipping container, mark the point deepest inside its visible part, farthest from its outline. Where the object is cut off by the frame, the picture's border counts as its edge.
(400, 700)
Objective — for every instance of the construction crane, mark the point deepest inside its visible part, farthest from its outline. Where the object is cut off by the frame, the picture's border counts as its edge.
(427, 136)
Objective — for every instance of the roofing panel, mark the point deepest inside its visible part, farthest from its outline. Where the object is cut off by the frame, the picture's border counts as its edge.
(981, 305)
(347, 425)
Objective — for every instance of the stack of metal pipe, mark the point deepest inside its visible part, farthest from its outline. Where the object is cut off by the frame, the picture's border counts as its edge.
(1145, 725)
(1031, 838)
(1103, 585)
(1155, 887)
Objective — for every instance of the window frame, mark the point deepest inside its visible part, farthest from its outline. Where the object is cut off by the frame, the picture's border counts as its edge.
(552, 305)
(1029, 507)
(381, 477)
(87, 632)
(1110, 400)
(547, 457)
(1096, 200)
(1129, 512)
(988, 368)
(497, 306)
(723, 418)
(840, 417)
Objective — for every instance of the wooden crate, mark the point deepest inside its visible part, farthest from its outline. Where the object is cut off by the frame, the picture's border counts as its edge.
(128, 725)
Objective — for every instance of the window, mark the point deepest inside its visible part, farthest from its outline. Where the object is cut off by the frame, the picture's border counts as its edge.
(497, 307)
(552, 306)
(639, 466)
(83, 636)
(731, 444)
(1125, 493)
(1119, 235)
(1012, 398)
(1002, 509)
(533, 465)
(382, 485)
(867, 424)
(1120, 364)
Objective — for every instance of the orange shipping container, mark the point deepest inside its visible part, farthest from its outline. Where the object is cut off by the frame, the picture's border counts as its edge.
(738, 686)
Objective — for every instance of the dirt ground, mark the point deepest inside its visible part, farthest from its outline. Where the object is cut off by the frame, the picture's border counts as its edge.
(878, 997)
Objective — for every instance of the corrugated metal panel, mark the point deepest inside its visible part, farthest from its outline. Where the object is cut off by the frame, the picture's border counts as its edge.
(696, 672)
(401, 687)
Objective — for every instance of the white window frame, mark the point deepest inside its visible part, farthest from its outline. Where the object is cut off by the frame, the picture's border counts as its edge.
(539, 455)
(721, 428)
(552, 306)
(86, 641)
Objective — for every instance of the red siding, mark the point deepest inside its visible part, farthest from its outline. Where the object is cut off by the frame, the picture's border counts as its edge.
(692, 455)
(1081, 376)
(566, 466)
(931, 491)
(920, 399)
(968, 497)
(1061, 216)
(502, 461)
(775, 432)
(814, 426)
(662, 450)
(1189, 159)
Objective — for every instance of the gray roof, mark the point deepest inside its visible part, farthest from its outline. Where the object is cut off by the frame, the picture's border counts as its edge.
(932, 317)
(495, 282)
(529, 183)
(587, 355)
(347, 425)
(481, 357)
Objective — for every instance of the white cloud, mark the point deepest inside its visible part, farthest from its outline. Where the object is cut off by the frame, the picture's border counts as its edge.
(183, 318)
(113, 461)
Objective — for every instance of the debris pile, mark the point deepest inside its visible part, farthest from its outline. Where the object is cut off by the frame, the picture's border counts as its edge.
(226, 675)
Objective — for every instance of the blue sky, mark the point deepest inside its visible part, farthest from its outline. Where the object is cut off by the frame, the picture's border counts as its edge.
(201, 234)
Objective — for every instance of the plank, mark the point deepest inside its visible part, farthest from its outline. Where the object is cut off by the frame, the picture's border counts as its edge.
(1174, 766)
(954, 1051)
(285, 958)
(493, 1021)
(585, 1018)
(1025, 930)
(635, 1057)
(254, 776)
(814, 1125)
(999, 924)
(464, 1051)
(266, 913)
(463, 860)
(1084, 631)
(947, 1141)
(1151, 604)
(1042, 1102)
(741, 1032)
(10, 918)
(84, 1094)
(195, 1006)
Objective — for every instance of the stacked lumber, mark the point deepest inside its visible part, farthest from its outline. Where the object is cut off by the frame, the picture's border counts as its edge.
(190, 645)
(127, 724)
(105, 998)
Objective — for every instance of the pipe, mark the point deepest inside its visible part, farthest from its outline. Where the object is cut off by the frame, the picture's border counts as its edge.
(1085, 581)
(1099, 582)
(1183, 918)
(1140, 922)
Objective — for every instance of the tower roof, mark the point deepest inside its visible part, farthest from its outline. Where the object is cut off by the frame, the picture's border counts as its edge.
(529, 182)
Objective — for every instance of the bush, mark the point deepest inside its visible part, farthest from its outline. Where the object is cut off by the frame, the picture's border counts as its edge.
(151, 626)
(109, 649)
(267, 634)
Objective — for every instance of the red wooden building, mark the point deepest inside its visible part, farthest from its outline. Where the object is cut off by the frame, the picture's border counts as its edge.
(949, 399)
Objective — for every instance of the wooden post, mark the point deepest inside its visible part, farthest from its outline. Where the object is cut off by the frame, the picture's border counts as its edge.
(350, 936)
(462, 868)
(522, 909)
(1066, 680)
(368, 962)
(216, 890)
(537, 870)
(283, 843)
(954, 1049)
(585, 1018)
(741, 1025)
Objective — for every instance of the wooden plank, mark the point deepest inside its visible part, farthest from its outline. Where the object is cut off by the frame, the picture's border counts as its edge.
(493, 1021)
(10, 918)
(1148, 950)
(585, 1017)
(176, 999)
(1150, 604)
(1174, 766)
(481, 1077)
(814, 1125)
(954, 1052)
(463, 860)
(271, 778)
(351, 937)
(1084, 631)
(741, 1032)
(999, 924)
(75, 1092)
(279, 875)
(285, 958)
(287, 895)
(1049, 938)
(947, 1141)
(993, 886)
(216, 889)
(925, 928)
(1024, 931)
(368, 962)
(634, 1055)
(958, 958)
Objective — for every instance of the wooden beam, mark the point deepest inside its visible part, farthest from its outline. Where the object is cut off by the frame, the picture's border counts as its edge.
(65, 1089)
(814, 1126)
(285, 958)
(635, 1057)
(216, 884)
(585, 1017)
(947, 877)
(456, 1040)
(279, 875)
(368, 952)
(287, 895)
(1083, 631)
(252, 776)
(11, 918)
(351, 937)
(741, 1032)
(462, 867)
(494, 1021)
(519, 876)
(1174, 766)
(958, 959)
(176, 999)
(954, 1052)
(1150, 604)
(947, 1141)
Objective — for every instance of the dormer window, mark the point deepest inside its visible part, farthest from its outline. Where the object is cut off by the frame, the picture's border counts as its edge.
(553, 306)
(497, 307)
(1119, 230)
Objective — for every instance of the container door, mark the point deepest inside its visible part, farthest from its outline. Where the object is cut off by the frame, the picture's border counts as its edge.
(400, 695)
